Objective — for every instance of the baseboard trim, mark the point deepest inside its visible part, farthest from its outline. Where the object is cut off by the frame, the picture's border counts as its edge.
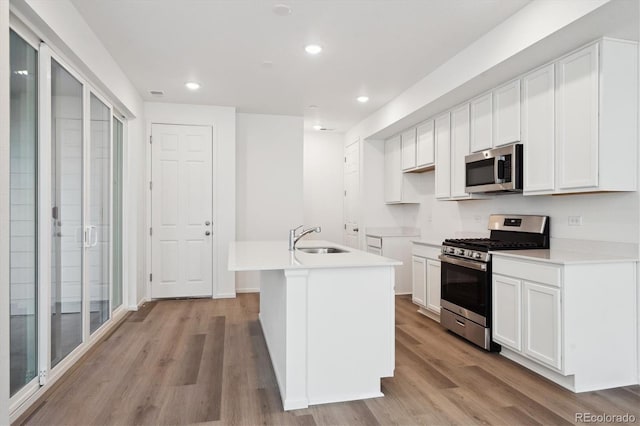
(225, 296)
(247, 290)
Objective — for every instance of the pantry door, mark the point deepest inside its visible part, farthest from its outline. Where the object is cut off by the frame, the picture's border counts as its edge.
(182, 229)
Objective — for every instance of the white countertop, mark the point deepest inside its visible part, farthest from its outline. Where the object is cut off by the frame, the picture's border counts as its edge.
(274, 255)
(564, 257)
(430, 243)
(392, 232)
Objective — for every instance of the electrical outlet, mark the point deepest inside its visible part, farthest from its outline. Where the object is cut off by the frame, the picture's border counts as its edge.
(575, 220)
(477, 218)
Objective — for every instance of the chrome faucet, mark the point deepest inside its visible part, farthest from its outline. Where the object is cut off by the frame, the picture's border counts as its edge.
(293, 238)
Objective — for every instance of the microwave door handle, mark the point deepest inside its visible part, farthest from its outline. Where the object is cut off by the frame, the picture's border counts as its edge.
(499, 170)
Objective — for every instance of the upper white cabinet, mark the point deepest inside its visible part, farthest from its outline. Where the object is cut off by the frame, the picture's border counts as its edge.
(482, 123)
(506, 114)
(593, 118)
(577, 113)
(408, 149)
(425, 148)
(398, 186)
(538, 130)
(442, 134)
(459, 149)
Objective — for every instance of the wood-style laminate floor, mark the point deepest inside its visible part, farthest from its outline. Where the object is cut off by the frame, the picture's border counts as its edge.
(205, 361)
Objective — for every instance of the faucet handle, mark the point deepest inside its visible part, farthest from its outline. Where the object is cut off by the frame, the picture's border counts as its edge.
(295, 229)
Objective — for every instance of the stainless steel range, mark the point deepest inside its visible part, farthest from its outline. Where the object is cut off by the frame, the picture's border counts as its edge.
(466, 273)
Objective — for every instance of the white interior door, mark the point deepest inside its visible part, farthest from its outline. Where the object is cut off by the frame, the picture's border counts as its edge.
(181, 211)
(351, 194)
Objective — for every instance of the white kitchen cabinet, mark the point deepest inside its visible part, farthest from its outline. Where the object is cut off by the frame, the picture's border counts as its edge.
(433, 285)
(399, 187)
(538, 130)
(395, 243)
(442, 134)
(506, 114)
(419, 281)
(426, 279)
(425, 149)
(542, 331)
(408, 141)
(506, 304)
(482, 122)
(557, 318)
(459, 149)
(596, 118)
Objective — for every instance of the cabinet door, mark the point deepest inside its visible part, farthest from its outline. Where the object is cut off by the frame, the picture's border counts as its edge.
(538, 130)
(425, 151)
(542, 323)
(577, 119)
(443, 156)
(433, 285)
(482, 123)
(459, 149)
(408, 149)
(392, 170)
(506, 114)
(506, 316)
(419, 291)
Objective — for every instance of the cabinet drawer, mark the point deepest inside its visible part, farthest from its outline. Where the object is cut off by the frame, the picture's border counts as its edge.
(542, 273)
(374, 242)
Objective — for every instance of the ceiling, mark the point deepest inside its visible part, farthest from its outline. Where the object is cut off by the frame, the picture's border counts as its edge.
(245, 55)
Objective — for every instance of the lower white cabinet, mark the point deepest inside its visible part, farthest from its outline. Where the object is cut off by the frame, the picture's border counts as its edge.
(426, 277)
(433, 285)
(573, 322)
(542, 323)
(507, 311)
(419, 281)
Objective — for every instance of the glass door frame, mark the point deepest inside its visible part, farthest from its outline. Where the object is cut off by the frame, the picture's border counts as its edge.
(27, 390)
(44, 228)
(117, 116)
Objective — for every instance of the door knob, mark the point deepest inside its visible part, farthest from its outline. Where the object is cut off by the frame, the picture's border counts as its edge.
(207, 233)
(207, 223)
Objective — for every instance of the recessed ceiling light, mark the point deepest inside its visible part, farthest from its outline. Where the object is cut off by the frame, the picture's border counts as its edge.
(156, 92)
(313, 49)
(362, 99)
(281, 9)
(317, 127)
(192, 85)
(313, 106)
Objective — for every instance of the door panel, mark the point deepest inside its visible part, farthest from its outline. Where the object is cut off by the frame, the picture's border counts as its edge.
(351, 195)
(542, 319)
(507, 318)
(182, 211)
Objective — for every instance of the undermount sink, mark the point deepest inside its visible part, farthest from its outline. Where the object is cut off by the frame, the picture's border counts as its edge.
(321, 250)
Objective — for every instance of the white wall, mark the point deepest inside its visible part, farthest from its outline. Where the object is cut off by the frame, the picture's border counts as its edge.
(269, 181)
(4, 211)
(323, 184)
(223, 121)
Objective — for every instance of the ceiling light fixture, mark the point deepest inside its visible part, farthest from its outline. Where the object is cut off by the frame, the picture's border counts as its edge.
(362, 99)
(192, 85)
(313, 49)
(317, 127)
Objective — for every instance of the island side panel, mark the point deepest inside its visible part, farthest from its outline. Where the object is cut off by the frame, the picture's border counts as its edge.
(351, 332)
(272, 318)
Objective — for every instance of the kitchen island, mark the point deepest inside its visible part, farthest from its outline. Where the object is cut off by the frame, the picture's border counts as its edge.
(327, 318)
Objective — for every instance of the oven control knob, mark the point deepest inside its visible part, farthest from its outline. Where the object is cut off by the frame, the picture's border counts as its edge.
(477, 255)
(461, 252)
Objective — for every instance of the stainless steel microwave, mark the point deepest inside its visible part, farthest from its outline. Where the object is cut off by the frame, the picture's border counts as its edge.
(494, 170)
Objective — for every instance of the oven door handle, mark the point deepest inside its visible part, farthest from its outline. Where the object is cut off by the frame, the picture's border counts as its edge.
(478, 266)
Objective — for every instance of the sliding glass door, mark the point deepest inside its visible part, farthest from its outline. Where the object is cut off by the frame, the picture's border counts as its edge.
(68, 236)
(66, 219)
(23, 213)
(99, 213)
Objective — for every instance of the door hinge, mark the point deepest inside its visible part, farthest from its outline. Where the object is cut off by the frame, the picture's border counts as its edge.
(150, 231)
(345, 192)
(150, 185)
(345, 226)
(150, 277)
(345, 159)
(150, 139)
(42, 377)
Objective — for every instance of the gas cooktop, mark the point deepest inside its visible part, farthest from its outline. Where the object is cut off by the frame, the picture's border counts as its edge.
(486, 244)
